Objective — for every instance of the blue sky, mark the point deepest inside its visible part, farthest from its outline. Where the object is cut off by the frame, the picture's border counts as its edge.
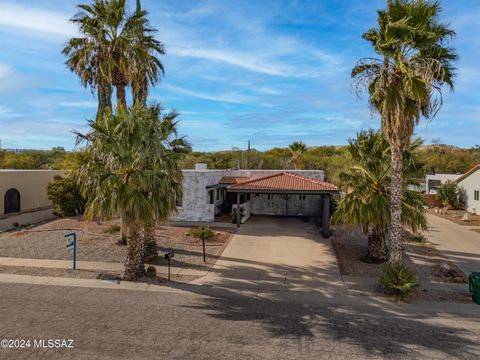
(268, 71)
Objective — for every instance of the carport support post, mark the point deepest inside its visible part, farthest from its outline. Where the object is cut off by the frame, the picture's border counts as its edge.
(238, 210)
(326, 216)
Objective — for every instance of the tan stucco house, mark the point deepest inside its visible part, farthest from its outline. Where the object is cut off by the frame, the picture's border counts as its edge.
(24, 190)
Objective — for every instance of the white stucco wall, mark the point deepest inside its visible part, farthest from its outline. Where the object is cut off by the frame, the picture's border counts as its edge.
(443, 178)
(468, 186)
(196, 205)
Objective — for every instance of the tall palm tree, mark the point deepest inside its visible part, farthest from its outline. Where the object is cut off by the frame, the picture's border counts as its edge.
(148, 68)
(297, 148)
(133, 172)
(405, 84)
(368, 197)
(113, 49)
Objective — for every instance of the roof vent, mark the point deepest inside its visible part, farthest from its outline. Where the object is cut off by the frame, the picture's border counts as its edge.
(200, 166)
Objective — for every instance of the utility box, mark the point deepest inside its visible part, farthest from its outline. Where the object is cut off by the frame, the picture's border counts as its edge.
(474, 286)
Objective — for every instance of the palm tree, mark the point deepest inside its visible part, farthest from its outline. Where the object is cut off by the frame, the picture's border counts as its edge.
(406, 84)
(148, 68)
(114, 48)
(297, 148)
(368, 197)
(133, 172)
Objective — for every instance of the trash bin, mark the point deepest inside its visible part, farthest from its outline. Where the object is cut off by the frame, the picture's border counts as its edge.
(474, 286)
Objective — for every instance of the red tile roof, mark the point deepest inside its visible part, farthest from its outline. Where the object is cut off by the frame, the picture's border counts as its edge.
(233, 179)
(284, 182)
(468, 173)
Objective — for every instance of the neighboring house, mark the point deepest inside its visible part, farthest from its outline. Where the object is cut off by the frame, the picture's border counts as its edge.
(24, 190)
(433, 182)
(469, 184)
(210, 193)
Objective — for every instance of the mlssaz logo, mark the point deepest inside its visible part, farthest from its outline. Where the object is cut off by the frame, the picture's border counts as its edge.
(54, 343)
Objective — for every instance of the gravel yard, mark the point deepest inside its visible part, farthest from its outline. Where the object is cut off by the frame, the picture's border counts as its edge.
(456, 217)
(47, 241)
(351, 245)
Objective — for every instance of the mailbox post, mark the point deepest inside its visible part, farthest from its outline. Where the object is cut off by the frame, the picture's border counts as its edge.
(168, 256)
(203, 244)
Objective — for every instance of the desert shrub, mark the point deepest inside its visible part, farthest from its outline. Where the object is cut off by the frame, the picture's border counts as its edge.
(417, 238)
(151, 272)
(202, 231)
(66, 197)
(113, 229)
(449, 195)
(399, 280)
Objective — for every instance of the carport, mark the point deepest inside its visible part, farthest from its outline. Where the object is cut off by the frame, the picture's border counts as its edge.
(287, 185)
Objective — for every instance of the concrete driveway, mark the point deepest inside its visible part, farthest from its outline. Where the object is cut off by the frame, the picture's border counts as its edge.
(458, 242)
(276, 254)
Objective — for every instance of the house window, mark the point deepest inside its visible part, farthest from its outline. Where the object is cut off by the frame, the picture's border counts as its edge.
(212, 199)
(269, 197)
(476, 195)
(178, 201)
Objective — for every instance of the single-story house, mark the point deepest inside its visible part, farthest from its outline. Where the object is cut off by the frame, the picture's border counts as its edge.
(24, 190)
(434, 181)
(208, 194)
(469, 184)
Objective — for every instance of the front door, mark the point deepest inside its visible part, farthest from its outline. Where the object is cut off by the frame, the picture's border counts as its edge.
(12, 201)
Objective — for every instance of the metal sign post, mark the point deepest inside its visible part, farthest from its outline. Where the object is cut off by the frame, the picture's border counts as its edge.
(72, 246)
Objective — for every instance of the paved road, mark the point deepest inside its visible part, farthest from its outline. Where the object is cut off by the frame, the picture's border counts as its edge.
(123, 324)
(458, 242)
(276, 253)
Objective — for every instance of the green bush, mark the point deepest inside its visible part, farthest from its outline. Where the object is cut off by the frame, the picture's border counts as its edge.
(202, 231)
(449, 194)
(113, 229)
(66, 197)
(417, 238)
(399, 280)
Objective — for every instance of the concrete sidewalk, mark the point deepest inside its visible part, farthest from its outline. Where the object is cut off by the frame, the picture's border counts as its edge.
(92, 265)
(458, 242)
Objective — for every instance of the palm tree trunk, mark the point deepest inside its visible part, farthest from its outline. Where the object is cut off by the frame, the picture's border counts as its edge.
(377, 246)
(104, 98)
(396, 194)
(123, 231)
(121, 97)
(134, 265)
(151, 249)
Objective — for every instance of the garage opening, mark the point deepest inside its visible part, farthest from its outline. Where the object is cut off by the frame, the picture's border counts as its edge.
(283, 194)
(12, 201)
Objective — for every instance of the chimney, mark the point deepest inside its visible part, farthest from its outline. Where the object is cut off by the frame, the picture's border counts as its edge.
(200, 166)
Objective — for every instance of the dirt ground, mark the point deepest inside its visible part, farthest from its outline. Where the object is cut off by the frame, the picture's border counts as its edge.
(351, 246)
(94, 243)
(456, 217)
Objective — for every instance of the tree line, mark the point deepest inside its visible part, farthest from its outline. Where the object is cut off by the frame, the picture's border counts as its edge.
(435, 158)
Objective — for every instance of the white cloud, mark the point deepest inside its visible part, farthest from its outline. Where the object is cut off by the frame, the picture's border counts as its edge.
(233, 98)
(36, 20)
(4, 70)
(80, 104)
(7, 113)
